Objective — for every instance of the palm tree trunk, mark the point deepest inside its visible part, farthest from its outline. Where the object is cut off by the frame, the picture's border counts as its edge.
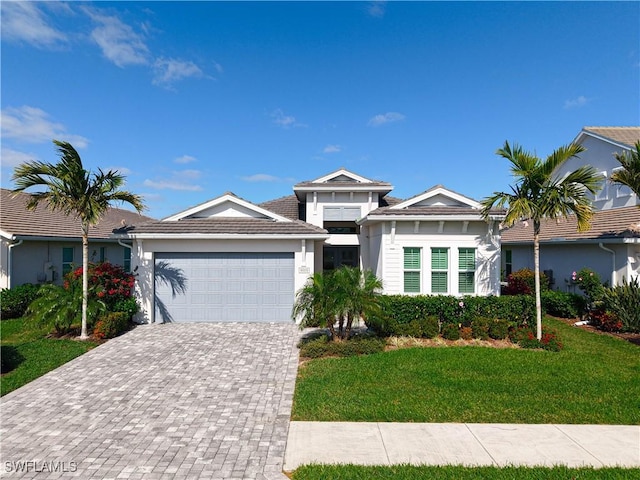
(85, 280)
(536, 263)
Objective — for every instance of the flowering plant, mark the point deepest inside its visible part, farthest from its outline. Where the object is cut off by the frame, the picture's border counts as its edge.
(109, 282)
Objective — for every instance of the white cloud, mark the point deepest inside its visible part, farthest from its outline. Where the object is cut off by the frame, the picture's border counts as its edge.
(332, 149)
(182, 180)
(25, 22)
(13, 158)
(263, 177)
(185, 159)
(33, 125)
(578, 102)
(170, 70)
(377, 9)
(118, 41)
(384, 118)
(285, 121)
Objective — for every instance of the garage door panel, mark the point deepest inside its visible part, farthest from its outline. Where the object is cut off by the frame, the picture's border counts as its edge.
(230, 287)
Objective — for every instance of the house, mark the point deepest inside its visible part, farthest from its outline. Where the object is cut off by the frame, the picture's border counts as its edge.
(611, 247)
(229, 259)
(41, 246)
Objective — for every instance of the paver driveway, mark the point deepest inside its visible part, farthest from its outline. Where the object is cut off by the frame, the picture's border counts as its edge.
(162, 401)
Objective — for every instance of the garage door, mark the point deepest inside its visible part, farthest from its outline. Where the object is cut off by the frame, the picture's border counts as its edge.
(224, 287)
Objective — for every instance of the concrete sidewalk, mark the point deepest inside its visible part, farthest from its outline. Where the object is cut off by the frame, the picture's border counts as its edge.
(462, 444)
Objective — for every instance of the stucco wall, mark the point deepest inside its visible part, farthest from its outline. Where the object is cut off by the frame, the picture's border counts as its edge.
(566, 258)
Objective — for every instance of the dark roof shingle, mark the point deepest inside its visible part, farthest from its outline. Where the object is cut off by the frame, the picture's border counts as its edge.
(15, 219)
(613, 223)
(288, 206)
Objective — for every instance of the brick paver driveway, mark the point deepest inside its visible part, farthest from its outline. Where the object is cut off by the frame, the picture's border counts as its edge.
(176, 401)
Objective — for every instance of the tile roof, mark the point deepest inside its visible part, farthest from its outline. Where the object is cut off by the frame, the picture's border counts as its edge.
(625, 135)
(372, 184)
(42, 222)
(288, 206)
(226, 225)
(606, 224)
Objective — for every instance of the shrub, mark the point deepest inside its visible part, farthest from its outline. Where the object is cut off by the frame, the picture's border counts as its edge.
(430, 326)
(480, 328)
(321, 347)
(450, 331)
(623, 301)
(399, 310)
(411, 329)
(109, 283)
(605, 321)
(526, 338)
(128, 306)
(14, 301)
(563, 304)
(111, 325)
(499, 329)
(466, 333)
(589, 282)
(522, 282)
(60, 308)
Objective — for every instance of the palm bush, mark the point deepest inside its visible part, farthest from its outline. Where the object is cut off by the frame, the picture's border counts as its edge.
(624, 302)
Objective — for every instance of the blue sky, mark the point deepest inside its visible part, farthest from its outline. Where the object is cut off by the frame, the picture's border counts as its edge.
(193, 99)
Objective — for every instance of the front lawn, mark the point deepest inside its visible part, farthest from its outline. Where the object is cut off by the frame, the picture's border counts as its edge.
(594, 380)
(407, 472)
(29, 354)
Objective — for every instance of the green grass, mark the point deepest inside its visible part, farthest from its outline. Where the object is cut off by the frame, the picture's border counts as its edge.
(32, 354)
(407, 472)
(594, 380)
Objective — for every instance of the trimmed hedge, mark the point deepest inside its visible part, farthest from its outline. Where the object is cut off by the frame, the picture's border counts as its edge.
(111, 325)
(14, 301)
(402, 314)
(563, 304)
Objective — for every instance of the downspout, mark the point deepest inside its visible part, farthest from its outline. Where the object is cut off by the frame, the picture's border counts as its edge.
(10, 261)
(613, 263)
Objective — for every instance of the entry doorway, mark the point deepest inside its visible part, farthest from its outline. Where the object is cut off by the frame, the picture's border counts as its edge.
(335, 257)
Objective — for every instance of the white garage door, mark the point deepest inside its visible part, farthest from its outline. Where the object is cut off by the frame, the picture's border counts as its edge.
(224, 287)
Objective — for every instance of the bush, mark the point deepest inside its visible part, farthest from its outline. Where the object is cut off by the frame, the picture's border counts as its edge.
(111, 325)
(397, 310)
(321, 347)
(110, 283)
(14, 301)
(605, 321)
(430, 326)
(499, 329)
(526, 338)
(480, 328)
(450, 331)
(522, 282)
(128, 306)
(589, 282)
(623, 301)
(466, 333)
(411, 329)
(563, 304)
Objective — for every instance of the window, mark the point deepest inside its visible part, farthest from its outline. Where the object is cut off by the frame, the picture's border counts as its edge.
(341, 214)
(621, 190)
(127, 260)
(103, 254)
(341, 228)
(466, 270)
(67, 260)
(411, 270)
(508, 262)
(439, 270)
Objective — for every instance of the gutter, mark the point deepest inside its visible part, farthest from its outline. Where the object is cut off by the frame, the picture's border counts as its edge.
(223, 236)
(613, 263)
(426, 218)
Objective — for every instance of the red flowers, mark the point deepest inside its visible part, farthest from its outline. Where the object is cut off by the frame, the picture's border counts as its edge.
(109, 282)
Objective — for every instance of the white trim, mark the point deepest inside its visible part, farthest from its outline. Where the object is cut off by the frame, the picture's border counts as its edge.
(227, 197)
(225, 236)
(339, 172)
(427, 218)
(583, 133)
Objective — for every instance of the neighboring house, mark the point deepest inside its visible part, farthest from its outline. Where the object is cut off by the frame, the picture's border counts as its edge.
(232, 260)
(611, 247)
(40, 246)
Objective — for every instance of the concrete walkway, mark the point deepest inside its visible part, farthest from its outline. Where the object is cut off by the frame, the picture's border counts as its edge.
(173, 401)
(462, 444)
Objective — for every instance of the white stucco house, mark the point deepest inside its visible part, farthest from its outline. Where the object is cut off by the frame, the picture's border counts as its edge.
(41, 246)
(611, 247)
(229, 259)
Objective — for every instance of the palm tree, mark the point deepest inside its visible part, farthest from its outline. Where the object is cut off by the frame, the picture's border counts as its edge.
(74, 191)
(316, 302)
(630, 173)
(538, 193)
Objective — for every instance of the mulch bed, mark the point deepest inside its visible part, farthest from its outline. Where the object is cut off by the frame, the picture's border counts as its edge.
(629, 337)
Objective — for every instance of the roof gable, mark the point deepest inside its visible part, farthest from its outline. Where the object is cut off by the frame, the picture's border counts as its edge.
(437, 196)
(342, 175)
(227, 205)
